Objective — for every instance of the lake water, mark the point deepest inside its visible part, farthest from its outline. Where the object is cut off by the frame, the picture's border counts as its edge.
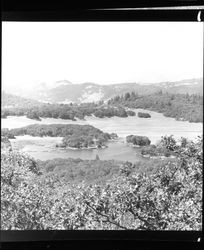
(154, 127)
(44, 149)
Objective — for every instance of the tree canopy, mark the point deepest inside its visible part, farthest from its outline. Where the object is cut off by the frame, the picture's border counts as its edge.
(169, 198)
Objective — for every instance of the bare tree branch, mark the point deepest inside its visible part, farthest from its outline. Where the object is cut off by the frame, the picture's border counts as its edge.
(137, 216)
(106, 216)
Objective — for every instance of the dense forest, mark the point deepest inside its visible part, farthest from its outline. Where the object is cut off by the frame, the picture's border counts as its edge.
(180, 106)
(71, 194)
(74, 135)
(17, 106)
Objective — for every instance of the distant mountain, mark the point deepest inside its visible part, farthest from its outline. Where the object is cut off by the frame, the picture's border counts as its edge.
(65, 92)
(190, 86)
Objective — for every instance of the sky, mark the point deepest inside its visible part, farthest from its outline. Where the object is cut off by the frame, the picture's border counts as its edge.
(100, 52)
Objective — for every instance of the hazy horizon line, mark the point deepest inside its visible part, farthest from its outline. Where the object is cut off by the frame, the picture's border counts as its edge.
(127, 82)
(54, 83)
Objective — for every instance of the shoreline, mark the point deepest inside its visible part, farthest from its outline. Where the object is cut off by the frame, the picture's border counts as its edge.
(84, 148)
(87, 148)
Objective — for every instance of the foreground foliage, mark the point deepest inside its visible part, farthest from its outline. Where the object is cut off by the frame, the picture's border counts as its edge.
(170, 198)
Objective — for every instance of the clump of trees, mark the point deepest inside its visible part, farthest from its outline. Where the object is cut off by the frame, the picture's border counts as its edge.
(33, 115)
(138, 140)
(143, 115)
(5, 132)
(130, 113)
(166, 147)
(153, 151)
(5, 143)
(112, 111)
(4, 114)
(170, 198)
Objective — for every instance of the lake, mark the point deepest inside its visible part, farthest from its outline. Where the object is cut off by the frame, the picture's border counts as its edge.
(43, 148)
(155, 127)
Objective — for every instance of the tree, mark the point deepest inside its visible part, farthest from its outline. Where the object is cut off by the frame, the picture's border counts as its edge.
(143, 115)
(33, 115)
(168, 142)
(127, 96)
(97, 157)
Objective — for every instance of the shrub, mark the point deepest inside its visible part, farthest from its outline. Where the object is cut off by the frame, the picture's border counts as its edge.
(143, 115)
(138, 140)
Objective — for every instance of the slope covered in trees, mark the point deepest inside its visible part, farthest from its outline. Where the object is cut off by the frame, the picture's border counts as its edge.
(41, 196)
(180, 106)
(17, 106)
(9, 100)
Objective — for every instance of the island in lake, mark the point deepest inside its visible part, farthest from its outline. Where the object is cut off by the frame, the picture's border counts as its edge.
(143, 115)
(74, 135)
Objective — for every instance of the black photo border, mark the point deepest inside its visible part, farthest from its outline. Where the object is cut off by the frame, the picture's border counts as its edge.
(49, 11)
